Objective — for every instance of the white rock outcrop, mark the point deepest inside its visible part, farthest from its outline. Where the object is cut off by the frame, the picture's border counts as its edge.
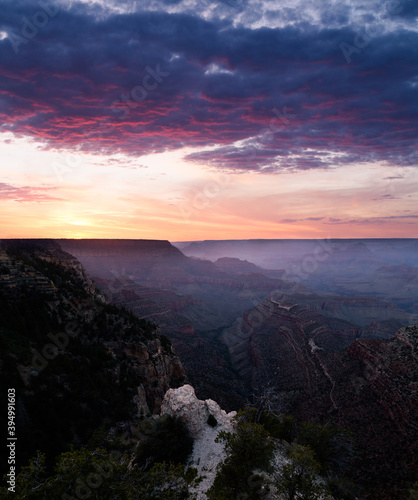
(183, 404)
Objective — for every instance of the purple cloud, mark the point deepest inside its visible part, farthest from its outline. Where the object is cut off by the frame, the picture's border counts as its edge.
(143, 82)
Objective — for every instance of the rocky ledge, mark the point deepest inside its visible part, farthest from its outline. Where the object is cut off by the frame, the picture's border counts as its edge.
(183, 404)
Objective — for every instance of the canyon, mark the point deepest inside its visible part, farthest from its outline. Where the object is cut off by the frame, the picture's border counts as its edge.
(333, 342)
(65, 348)
(318, 373)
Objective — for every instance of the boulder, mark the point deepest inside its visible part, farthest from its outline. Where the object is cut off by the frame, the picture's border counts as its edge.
(183, 404)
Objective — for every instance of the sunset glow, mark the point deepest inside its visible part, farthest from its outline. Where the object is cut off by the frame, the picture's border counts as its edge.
(208, 120)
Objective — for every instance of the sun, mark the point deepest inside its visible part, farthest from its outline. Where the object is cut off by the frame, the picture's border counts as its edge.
(75, 222)
(78, 222)
(71, 232)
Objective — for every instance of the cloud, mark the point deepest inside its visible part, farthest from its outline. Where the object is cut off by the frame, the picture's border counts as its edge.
(385, 197)
(371, 220)
(118, 79)
(352, 221)
(26, 193)
(291, 221)
(408, 9)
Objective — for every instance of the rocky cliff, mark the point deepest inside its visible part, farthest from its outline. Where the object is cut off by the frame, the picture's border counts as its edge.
(386, 269)
(216, 296)
(154, 262)
(324, 374)
(367, 312)
(76, 361)
(190, 300)
(183, 404)
(373, 390)
(237, 266)
(275, 333)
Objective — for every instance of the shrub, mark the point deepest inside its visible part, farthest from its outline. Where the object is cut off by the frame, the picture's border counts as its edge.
(413, 492)
(280, 426)
(299, 475)
(95, 474)
(333, 447)
(248, 448)
(170, 442)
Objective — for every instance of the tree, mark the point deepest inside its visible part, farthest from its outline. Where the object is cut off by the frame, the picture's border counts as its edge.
(333, 447)
(413, 492)
(298, 479)
(94, 474)
(265, 399)
(247, 449)
(31, 481)
(170, 442)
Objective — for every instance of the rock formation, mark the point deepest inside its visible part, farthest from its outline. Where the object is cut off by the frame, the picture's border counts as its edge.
(63, 347)
(183, 404)
(369, 387)
(386, 269)
(155, 281)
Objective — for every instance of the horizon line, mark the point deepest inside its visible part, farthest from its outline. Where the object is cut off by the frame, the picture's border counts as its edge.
(200, 241)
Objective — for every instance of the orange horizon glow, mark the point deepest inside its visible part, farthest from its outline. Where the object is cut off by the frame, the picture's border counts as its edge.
(270, 130)
(161, 196)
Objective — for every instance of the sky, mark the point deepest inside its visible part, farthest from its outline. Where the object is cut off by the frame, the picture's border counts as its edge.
(228, 119)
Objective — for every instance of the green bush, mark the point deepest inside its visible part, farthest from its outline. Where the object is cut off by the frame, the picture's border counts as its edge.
(278, 426)
(281, 426)
(333, 447)
(413, 492)
(170, 442)
(96, 474)
(299, 475)
(248, 448)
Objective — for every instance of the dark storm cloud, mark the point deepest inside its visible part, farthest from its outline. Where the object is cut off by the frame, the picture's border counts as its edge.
(152, 81)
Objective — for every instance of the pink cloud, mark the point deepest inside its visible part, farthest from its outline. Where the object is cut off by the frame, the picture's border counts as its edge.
(26, 193)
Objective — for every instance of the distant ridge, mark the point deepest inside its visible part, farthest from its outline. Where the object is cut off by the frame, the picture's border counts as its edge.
(32, 243)
(115, 244)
